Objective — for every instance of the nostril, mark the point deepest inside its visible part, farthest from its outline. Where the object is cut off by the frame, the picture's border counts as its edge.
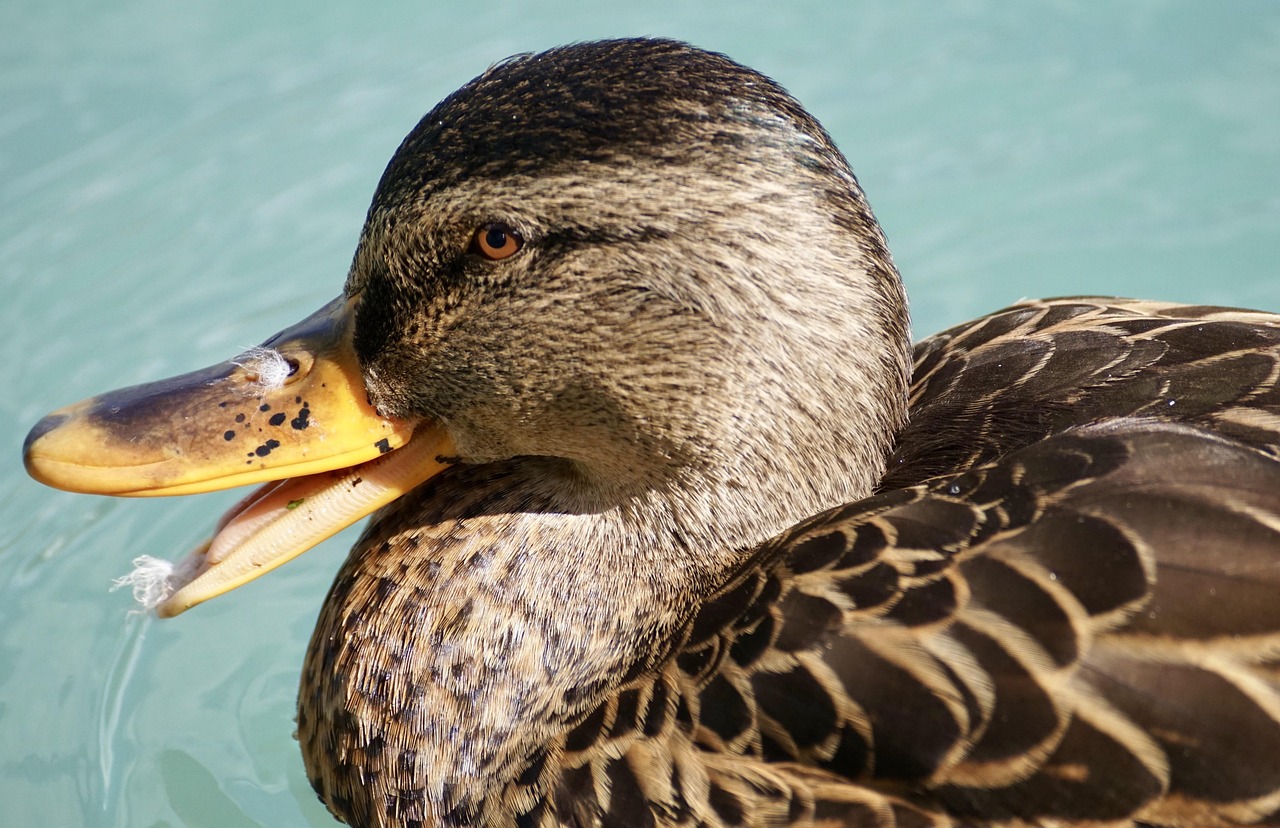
(296, 366)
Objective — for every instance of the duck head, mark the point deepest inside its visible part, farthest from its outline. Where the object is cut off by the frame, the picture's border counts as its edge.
(624, 307)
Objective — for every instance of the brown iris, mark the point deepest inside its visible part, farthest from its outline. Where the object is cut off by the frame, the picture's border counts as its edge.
(496, 242)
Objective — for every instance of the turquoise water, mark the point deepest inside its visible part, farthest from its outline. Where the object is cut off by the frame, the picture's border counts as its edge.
(175, 185)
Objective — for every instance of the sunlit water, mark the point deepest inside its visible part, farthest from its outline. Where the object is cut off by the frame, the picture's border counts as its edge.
(178, 181)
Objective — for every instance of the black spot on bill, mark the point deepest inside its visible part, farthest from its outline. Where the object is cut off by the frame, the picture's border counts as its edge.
(266, 448)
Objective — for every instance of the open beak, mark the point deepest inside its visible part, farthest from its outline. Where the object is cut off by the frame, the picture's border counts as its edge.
(292, 413)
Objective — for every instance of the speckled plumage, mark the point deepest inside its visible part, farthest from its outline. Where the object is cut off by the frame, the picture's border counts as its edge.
(1041, 586)
(1076, 624)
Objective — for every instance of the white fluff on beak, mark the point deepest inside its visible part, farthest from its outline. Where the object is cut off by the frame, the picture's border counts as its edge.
(154, 579)
(271, 368)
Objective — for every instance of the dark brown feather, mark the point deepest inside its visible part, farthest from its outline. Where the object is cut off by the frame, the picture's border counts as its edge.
(1079, 624)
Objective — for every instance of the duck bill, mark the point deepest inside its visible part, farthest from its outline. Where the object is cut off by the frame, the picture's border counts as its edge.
(292, 413)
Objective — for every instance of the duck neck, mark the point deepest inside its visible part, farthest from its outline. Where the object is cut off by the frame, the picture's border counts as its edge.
(475, 622)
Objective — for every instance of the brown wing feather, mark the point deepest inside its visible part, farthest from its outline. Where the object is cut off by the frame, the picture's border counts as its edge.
(1062, 608)
(1019, 375)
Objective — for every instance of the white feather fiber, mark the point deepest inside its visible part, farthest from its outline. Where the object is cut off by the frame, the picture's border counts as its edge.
(271, 368)
(153, 580)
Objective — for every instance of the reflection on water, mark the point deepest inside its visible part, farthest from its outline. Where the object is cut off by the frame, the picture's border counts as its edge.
(174, 187)
(115, 690)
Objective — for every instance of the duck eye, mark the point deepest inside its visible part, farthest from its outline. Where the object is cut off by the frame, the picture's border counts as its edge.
(496, 242)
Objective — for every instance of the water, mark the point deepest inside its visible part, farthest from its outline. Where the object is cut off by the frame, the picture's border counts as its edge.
(175, 185)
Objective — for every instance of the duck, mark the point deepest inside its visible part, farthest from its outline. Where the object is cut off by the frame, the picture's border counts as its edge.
(673, 526)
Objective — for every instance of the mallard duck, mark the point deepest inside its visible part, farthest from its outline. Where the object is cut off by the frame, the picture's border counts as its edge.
(675, 528)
